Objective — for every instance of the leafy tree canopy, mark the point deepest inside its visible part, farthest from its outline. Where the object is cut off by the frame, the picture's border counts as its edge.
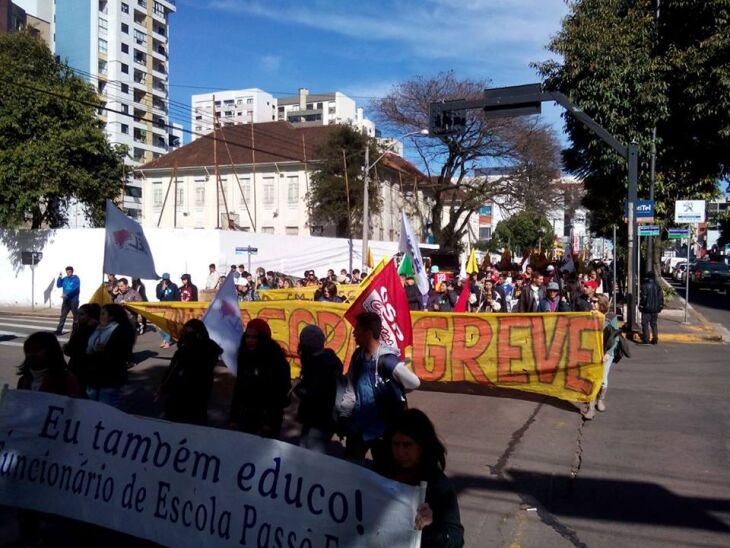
(52, 144)
(632, 70)
(336, 189)
(521, 231)
(526, 148)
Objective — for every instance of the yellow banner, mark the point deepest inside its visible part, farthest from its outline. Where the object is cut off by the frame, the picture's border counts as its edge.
(348, 291)
(557, 355)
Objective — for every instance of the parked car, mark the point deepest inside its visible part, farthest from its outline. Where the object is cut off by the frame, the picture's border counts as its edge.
(678, 270)
(709, 274)
(670, 262)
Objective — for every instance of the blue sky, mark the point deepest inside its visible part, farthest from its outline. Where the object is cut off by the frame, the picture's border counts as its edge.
(359, 48)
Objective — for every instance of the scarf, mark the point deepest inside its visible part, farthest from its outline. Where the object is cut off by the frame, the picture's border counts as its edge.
(101, 334)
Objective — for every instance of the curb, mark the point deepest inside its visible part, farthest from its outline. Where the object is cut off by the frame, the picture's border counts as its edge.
(715, 336)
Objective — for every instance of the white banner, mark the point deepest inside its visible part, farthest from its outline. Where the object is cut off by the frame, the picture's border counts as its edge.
(126, 250)
(182, 485)
(409, 245)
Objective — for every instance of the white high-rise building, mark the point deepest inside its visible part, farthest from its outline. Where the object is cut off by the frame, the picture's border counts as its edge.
(122, 47)
(323, 109)
(240, 106)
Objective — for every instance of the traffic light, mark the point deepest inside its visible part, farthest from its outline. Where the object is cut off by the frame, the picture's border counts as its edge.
(445, 122)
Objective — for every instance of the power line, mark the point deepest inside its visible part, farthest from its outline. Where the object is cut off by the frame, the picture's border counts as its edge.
(143, 119)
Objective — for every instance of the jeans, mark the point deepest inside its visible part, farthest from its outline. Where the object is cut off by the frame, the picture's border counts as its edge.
(109, 396)
(649, 319)
(68, 305)
(165, 336)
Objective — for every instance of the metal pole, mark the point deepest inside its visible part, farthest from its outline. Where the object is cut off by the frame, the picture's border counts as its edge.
(32, 287)
(686, 273)
(365, 213)
(633, 161)
(613, 289)
(248, 252)
(652, 176)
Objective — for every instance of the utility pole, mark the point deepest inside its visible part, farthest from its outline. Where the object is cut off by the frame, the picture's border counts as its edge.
(365, 212)
(215, 162)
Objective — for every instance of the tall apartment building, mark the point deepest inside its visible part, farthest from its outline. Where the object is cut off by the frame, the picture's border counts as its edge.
(323, 109)
(122, 47)
(36, 15)
(241, 106)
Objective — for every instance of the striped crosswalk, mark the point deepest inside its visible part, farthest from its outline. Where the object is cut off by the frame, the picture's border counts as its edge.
(15, 329)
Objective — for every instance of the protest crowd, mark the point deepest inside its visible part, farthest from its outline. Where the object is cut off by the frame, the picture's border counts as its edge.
(363, 404)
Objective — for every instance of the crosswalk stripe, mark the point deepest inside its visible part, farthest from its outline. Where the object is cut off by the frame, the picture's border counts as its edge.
(48, 321)
(23, 335)
(10, 343)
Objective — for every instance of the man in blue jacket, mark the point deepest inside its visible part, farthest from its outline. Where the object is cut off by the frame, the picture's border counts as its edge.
(71, 286)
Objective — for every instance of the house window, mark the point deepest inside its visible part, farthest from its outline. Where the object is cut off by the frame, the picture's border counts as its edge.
(125, 128)
(125, 68)
(199, 196)
(180, 194)
(485, 232)
(249, 100)
(268, 192)
(125, 48)
(292, 231)
(268, 230)
(125, 8)
(125, 28)
(157, 194)
(292, 190)
(246, 192)
(103, 45)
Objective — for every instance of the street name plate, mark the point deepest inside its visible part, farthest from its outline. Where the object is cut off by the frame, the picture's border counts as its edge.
(677, 233)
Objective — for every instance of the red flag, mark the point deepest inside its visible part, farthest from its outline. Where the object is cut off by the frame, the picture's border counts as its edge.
(463, 301)
(386, 296)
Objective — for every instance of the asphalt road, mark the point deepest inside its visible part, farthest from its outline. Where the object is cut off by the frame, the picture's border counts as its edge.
(713, 304)
(651, 471)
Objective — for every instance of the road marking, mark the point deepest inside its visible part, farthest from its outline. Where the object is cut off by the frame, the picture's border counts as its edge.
(23, 335)
(10, 343)
(49, 321)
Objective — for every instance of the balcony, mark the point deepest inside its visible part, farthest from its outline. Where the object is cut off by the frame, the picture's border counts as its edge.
(140, 136)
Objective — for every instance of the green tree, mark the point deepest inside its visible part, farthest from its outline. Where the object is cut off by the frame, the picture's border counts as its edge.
(335, 195)
(526, 148)
(52, 144)
(632, 71)
(521, 231)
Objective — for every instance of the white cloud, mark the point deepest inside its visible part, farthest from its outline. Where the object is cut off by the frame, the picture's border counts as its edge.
(270, 63)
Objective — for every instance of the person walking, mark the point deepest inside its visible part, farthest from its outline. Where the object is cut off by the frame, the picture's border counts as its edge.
(263, 383)
(532, 294)
(188, 381)
(71, 286)
(188, 291)
(380, 380)
(651, 303)
(126, 294)
(317, 389)
(75, 348)
(552, 301)
(140, 288)
(417, 455)
(602, 304)
(166, 291)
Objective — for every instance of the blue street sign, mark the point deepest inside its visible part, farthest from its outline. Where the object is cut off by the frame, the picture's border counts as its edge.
(643, 209)
(649, 230)
(677, 233)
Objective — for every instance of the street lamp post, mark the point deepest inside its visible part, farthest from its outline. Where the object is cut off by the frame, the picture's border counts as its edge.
(366, 194)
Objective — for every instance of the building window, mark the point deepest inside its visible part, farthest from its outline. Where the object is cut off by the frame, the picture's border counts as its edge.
(103, 45)
(268, 192)
(125, 68)
(199, 196)
(246, 192)
(125, 88)
(103, 26)
(125, 128)
(125, 8)
(180, 194)
(125, 48)
(249, 100)
(125, 28)
(485, 210)
(140, 37)
(485, 232)
(292, 231)
(157, 194)
(268, 230)
(125, 108)
(158, 9)
(293, 190)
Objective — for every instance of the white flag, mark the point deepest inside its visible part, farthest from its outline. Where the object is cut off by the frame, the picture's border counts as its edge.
(126, 250)
(223, 320)
(409, 245)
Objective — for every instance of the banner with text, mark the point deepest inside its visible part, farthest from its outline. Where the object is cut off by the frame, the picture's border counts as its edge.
(557, 354)
(182, 485)
(347, 291)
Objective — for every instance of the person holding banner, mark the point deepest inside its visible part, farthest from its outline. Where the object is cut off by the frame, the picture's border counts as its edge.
(188, 381)
(262, 385)
(380, 380)
(75, 348)
(44, 367)
(417, 455)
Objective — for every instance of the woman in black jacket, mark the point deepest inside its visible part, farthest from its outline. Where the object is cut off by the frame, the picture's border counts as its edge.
(188, 381)
(87, 322)
(317, 389)
(418, 455)
(109, 350)
(263, 383)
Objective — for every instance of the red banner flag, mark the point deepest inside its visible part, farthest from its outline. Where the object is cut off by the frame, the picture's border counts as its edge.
(386, 296)
(463, 302)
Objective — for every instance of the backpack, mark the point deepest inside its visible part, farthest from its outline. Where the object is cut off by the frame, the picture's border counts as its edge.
(610, 335)
(390, 396)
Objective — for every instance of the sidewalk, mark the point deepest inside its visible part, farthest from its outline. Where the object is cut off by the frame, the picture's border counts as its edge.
(697, 329)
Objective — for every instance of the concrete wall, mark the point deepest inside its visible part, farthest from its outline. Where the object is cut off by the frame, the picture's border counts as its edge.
(175, 251)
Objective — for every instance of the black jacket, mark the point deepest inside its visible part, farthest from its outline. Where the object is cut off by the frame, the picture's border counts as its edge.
(414, 297)
(652, 298)
(108, 368)
(317, 389)
(188, 383)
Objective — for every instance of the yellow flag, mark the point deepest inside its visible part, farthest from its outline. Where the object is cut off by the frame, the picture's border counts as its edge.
(471, 264)
(370, 261)
(101, 296)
